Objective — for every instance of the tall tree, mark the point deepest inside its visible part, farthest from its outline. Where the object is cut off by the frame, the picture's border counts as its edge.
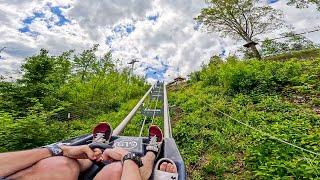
(240, 19)
(42, 77)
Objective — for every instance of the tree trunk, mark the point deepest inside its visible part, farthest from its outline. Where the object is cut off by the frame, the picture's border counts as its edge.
(255, 51)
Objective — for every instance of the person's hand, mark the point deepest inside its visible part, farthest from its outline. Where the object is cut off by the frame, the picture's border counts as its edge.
(81, 152)
(98, 154)
(116, 154)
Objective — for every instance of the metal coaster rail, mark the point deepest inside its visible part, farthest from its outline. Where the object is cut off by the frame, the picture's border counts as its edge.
(159, 93)
(127, 119)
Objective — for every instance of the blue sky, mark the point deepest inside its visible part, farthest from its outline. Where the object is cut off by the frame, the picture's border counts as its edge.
(56, 10)
(272, 1)
(57, 19)
(161, 34)
(153, 17)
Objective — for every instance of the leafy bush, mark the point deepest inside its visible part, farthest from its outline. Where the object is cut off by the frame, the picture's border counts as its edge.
(29, 132)
(303, 54)
(253, 75)
(99, 94)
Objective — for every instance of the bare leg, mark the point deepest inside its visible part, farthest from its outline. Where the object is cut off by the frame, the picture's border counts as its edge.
(114, 170)
(111, 171)
(146, 169)
(84, 164)
(53, 168)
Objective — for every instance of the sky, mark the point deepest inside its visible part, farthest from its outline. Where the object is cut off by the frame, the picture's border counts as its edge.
(161, 34)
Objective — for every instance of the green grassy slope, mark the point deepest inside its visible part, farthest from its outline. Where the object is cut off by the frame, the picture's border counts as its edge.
(279, 98)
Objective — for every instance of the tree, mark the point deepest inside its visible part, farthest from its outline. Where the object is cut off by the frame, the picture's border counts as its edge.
(294, 42)
(86, 62)
(304, 3)
(105, 64)
(271, 47)
(247, 53)
(1, 51)
(44, 74)
(299, 42)
(62, 68)
(240, 19)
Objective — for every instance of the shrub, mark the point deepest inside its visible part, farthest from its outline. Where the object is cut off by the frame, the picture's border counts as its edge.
(254, 75)
(29, 132)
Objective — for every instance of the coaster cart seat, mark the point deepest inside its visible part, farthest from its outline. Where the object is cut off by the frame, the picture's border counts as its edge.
(133, 144)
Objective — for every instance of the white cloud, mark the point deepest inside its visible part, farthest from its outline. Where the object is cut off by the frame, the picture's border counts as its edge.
(302, 20)
(169, 35)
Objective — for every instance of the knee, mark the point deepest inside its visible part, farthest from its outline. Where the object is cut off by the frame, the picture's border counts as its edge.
(115, 168)
(60, 164)
(112, 171)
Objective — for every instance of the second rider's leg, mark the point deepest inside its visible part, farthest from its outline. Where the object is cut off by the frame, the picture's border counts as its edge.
(102, 134)
(153, 149)
(148, 162)
(112, 171)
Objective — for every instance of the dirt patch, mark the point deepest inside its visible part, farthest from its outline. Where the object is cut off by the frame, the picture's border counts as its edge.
(316, 109)
(302, 99)
(203, 159)
(177, 114)
(239, 163)
(177, 87)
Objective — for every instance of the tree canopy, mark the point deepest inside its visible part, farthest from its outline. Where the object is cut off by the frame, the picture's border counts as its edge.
(293, 42)
(240, 19)
(84, 85)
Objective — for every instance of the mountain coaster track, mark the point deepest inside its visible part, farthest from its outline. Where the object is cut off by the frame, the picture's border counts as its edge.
(137, 144)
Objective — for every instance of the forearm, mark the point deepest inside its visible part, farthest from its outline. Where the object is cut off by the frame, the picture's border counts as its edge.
(130, 171)
(12, 162)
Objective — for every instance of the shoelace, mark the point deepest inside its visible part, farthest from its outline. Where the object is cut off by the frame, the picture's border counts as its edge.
(153, 144)
(153, 140)
(100, 138)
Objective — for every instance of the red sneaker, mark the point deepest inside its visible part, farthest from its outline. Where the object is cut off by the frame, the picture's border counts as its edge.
(155, 131)
(102, 133)
(155, 140)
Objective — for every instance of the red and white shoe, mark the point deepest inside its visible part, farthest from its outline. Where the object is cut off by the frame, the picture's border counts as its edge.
(155, 139)
(102, 133)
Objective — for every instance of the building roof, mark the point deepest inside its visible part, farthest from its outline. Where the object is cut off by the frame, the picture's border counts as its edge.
(179, 79)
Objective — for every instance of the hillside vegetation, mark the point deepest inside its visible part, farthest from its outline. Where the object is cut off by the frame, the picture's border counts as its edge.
(59, 97)
(278, 98)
